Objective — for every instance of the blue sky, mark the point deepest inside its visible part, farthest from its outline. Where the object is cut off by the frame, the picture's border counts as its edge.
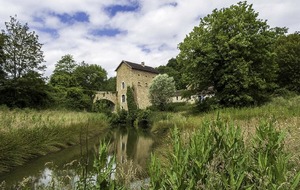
(108, 31)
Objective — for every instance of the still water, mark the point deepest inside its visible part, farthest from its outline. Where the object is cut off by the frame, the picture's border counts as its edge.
(127, 144)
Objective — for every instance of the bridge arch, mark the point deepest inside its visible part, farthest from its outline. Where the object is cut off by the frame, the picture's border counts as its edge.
(107, 95)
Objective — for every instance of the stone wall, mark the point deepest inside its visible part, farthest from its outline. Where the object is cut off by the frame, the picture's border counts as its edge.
(139, 80)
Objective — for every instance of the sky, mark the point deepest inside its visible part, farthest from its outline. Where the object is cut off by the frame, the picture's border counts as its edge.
(105, 32)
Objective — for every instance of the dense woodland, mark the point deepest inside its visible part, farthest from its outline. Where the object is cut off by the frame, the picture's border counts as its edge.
(232, 50)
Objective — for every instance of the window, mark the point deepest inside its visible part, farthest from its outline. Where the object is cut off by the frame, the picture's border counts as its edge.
(146, 84)
(123, 85)
(123, 98)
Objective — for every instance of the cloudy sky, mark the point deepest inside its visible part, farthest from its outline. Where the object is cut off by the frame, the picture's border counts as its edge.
(105, 32)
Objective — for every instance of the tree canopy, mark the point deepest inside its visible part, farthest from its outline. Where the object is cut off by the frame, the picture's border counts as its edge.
(288, 59)
(21, 50)
(90, 76)
(173, 69)
(161, 90)
(232, 50)
(21, 83)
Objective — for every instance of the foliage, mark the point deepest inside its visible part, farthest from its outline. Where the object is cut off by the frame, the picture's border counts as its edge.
(287, 49)
(21, 84)
(63, 72)
(232, 50)
(77, 99)
(119, 118)
(103, 106)
(21, 49)
(216, 157)
(161, 90)
(207, 104)
(174, 69)
(143, 118)
(29, 90)
(74, 84)
(90, 76)
(110, 84)
(131, 104)
(2, 58)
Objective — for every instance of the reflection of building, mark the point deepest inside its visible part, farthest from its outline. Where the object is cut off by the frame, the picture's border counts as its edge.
(129, 145)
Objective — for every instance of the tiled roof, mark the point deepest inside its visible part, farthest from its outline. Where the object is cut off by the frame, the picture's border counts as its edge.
(139, 67)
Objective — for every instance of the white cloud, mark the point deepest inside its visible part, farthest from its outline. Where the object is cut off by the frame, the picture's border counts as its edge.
(150, 34)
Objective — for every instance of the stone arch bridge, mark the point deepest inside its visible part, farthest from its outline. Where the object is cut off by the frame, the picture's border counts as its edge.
(107, 95)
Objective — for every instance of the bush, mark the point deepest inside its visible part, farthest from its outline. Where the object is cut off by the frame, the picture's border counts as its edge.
(207, 104)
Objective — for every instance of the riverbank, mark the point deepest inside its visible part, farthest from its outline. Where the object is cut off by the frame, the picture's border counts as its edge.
(249, 147)
(27, 134)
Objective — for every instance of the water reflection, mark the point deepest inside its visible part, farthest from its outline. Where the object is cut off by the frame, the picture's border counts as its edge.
(131, 147)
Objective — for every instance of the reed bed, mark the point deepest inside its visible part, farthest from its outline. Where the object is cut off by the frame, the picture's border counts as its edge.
(283, 114)
(26, 134)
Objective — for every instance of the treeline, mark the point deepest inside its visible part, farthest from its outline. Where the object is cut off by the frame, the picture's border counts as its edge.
(239, 56)
(71, 86)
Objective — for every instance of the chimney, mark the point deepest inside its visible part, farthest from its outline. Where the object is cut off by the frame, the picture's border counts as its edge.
(143, 64)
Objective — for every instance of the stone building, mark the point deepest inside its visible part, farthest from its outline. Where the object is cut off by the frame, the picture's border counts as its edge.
(138, 76)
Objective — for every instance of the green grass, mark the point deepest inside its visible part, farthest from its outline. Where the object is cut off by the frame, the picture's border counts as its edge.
(26, 134)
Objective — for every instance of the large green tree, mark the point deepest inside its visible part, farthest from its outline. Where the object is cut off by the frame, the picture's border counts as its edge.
(21, 58)
(288, 59)
(173, 69)
(63, 73)
(161, 90)
(21, 49)
(90, 76)
(232, 50)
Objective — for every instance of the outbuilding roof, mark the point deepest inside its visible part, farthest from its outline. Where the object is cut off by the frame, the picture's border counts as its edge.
(140, 67)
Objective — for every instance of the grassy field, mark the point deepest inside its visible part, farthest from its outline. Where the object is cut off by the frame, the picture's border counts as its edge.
(26, 134)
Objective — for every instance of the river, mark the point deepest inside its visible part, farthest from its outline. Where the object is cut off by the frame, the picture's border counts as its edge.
(131, 147)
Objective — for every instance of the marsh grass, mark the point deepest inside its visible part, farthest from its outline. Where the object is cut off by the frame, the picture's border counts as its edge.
(26, 134)
(281, 117)
(217, 157)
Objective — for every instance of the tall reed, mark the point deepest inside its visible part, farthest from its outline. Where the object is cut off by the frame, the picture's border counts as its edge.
(217, 157)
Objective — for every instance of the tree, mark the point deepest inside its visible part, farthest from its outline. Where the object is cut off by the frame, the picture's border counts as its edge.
(21, 84)
(29, 90)
(232, 50)
(110, 84)
(288, 59)
(2, 58)
(161, 90)
(63, 73)
(21, 49)
(173, 69)
(90, 77)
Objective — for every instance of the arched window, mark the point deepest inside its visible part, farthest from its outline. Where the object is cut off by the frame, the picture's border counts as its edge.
(123, 98)
(123, 85)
